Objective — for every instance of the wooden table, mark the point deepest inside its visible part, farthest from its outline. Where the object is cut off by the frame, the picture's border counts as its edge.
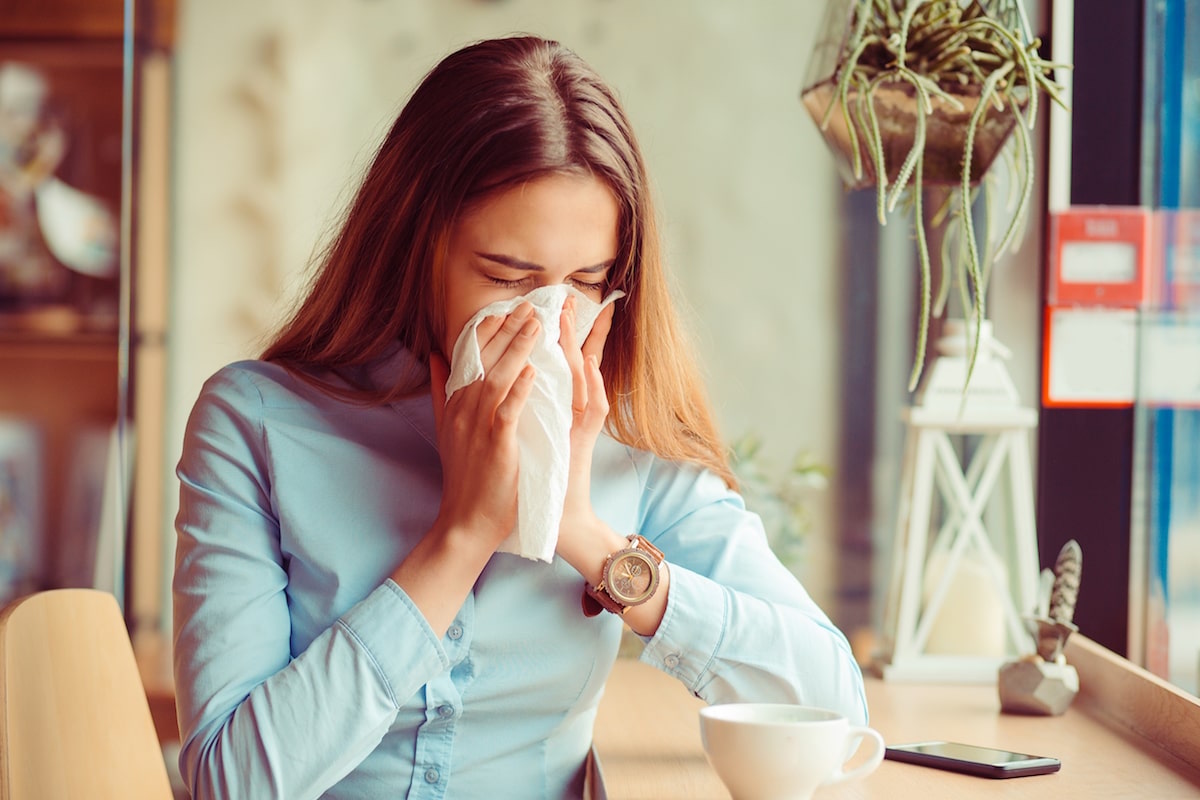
(1127, 735)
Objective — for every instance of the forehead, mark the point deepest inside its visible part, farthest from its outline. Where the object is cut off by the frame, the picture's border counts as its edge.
(546, 194)
(554, 212)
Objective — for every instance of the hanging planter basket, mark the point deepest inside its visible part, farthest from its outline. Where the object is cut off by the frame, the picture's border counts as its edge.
(896, 107)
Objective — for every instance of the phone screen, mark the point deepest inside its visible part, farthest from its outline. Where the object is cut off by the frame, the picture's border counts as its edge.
(972, 759)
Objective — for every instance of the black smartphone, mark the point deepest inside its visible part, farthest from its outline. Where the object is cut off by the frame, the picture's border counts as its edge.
(986, 762)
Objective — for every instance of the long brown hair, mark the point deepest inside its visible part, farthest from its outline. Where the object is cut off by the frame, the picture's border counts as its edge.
(494, 114)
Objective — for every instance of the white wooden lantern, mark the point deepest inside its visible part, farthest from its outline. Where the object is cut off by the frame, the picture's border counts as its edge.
(959, 590)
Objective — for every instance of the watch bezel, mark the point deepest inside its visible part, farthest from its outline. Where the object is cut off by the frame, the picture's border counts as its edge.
(598, 598)
(625, 554)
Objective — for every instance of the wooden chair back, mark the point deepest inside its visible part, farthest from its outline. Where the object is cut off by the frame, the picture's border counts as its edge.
(74, 719)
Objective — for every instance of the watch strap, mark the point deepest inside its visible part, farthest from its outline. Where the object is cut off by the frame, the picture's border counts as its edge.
(596, 598)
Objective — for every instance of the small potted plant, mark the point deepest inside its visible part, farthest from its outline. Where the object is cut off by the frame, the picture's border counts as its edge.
(924, 95)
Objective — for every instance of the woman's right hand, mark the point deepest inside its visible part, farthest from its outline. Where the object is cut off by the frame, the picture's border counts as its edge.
(477, 442)
(477, 431)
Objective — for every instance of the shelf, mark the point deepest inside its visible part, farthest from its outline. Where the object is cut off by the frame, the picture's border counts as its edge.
(79, 346)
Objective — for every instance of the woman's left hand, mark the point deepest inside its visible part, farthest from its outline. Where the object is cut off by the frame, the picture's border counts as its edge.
(589, 410)
(584, 540)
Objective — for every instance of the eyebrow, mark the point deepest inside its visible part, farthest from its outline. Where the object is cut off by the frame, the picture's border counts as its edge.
(516, 263)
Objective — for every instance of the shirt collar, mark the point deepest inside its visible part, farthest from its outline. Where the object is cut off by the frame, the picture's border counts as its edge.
(399, 366)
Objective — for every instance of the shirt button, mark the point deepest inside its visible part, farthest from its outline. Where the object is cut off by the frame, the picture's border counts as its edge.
(672, 661)
(445, 711)
(455, 632)
(431, 775)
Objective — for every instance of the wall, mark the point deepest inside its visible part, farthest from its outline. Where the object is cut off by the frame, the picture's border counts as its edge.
(279, 103)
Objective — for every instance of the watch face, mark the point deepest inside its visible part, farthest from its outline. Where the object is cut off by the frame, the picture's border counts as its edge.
(632, 577)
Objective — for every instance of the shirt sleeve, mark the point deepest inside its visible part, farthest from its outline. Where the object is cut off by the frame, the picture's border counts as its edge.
(738, 626)
(254, 720)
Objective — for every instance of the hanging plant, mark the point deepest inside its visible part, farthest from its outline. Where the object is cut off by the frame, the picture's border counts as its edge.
(913, 94)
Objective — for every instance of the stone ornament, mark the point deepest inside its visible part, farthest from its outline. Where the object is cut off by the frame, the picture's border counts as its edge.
(1043, 682)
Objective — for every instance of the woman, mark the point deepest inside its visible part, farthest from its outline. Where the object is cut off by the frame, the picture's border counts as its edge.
(344, 626)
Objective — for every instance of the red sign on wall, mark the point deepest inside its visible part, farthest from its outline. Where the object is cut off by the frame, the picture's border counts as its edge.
(1103, 256)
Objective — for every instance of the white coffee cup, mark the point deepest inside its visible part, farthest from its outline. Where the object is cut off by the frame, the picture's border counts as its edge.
(778, 751)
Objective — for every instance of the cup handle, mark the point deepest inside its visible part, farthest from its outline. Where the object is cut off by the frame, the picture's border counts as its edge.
(868, 766)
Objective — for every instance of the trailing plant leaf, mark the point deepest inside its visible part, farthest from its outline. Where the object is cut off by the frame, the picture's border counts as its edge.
(876, 142)
(923, 256)
(1026, 150)
(973, 268)
(854, 148)
(939, 305)
(914, 153)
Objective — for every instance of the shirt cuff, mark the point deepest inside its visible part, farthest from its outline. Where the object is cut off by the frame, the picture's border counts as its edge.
(691, 630)
(397, 639)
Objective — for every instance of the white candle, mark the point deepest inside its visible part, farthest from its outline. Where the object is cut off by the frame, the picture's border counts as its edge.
(970, 620)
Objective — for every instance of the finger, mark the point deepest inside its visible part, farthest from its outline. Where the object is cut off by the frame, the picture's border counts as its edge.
(495, 344)
(597, 408)
(439, 373)
(566, 326)
(499, 379)
(570, 347)
(509, 410)
(594, 345)
(485, 332)
(487, 328)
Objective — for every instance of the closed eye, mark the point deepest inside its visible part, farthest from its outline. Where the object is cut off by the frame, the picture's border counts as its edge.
(507, 284)
(594, 287)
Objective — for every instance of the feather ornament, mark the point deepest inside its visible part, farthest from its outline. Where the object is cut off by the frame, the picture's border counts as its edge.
(1068, 569)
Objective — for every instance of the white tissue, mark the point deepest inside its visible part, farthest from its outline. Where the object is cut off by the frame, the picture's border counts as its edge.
(544, 429)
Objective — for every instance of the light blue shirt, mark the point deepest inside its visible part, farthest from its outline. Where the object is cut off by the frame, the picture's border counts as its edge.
(302, 670)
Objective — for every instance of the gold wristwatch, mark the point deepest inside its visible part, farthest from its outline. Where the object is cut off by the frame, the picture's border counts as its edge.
(629, 578)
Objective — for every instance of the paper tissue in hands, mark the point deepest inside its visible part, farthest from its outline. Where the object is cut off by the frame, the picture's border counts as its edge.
(544, 429)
